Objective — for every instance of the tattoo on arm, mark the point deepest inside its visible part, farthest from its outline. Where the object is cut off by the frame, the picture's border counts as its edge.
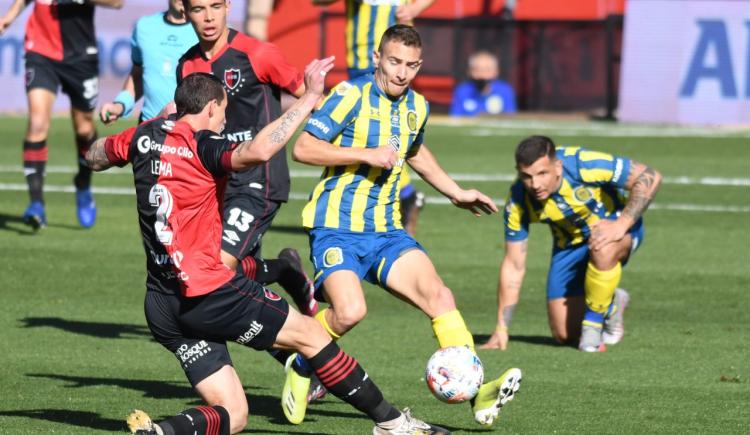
(96, 157)
(280, 134)
(641, 194)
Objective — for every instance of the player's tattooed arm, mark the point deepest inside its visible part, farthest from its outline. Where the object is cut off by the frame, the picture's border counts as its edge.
(96, 157)
(264, 146)
(643, 184)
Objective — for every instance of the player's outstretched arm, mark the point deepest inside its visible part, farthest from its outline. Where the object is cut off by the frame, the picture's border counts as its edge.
(512, 272)
(275, 135)
(427, 166)
(113, 110)
(96, 157)
(643, 183)
(14, 11)
(310, 150)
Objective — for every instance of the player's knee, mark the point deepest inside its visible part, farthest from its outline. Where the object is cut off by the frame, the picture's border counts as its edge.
(605, 258)
(85, 130)
(237, 417)
(349, 315)
(38, 128)
(559, 334)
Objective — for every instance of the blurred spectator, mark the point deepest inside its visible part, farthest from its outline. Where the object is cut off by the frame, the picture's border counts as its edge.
(484, 92)
(257, 13)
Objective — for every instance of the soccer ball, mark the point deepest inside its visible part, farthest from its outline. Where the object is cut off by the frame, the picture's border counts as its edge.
(454, 374)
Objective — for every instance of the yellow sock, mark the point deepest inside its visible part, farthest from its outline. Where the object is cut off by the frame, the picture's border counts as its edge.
(321, 318)
(451, 330)
(599, 287)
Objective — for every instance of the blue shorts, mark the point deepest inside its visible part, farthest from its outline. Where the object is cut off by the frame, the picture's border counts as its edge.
(567, 270)
(369, 255)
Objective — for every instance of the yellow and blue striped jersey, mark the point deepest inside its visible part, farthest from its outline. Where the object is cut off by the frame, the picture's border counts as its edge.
(357, 113)
(366, 21)
(592, 189)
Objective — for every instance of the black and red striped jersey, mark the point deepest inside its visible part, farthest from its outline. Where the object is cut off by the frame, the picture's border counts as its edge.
(61, 31)
(254, 73)
(179, 176)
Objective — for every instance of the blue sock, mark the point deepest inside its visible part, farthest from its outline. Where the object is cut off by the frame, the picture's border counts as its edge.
(301, 366)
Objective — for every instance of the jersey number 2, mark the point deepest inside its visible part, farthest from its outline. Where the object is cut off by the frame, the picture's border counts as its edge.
(160, 197)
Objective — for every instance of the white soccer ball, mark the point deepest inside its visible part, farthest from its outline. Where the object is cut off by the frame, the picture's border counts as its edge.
(454, 374)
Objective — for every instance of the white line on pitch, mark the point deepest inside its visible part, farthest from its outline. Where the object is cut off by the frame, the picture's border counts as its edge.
(437, 200)
(505, 177)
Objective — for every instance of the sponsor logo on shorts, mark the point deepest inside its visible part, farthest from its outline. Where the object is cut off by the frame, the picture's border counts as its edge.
(332, 257)
(251, 333)
(271, 295)
(411, 121)
(189, 355)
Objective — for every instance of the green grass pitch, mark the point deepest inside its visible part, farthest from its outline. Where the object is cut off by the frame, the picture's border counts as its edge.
(76, 355)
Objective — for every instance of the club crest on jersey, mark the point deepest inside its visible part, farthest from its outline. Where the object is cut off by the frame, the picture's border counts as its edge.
(232, 78)
(332, 257)
(411, 121)
(582, 194)
(271, 295)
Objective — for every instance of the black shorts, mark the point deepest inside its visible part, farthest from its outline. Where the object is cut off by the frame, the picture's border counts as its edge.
(246, 218)
(196, 329)
(78, 77)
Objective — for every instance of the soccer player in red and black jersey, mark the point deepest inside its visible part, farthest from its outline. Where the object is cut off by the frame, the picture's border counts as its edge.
(194, 303)
(254, 74)
(60, 52)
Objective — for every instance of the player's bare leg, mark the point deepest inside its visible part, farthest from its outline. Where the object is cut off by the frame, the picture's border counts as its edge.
(341, 375)
(414, 279)
(85, 135)
(35, 152)
(343, 291)
(565, 315)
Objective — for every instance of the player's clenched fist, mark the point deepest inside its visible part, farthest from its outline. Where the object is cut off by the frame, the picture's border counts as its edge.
(382, 157)
(315, 74)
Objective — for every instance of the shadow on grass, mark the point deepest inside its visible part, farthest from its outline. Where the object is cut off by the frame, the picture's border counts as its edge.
(541, 340)
(85, 419)
(151, 389)
(25, 230)
(94, 329)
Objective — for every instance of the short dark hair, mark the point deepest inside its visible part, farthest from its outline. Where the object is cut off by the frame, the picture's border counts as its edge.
(402, 33)
(195, 91)
(534, 148)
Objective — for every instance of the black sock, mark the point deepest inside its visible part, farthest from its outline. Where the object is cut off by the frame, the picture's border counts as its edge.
(34, 163)
(208, 420)
(82, 180)
(343, 376)
(263, 271)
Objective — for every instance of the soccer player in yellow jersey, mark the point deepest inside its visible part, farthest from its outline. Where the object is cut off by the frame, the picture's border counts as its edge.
(366, 20)
(363, 134)
(593, 203)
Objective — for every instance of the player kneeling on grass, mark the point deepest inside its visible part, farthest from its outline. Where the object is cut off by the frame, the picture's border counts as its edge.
(365, 133)
(194, 303)
(593, 203)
